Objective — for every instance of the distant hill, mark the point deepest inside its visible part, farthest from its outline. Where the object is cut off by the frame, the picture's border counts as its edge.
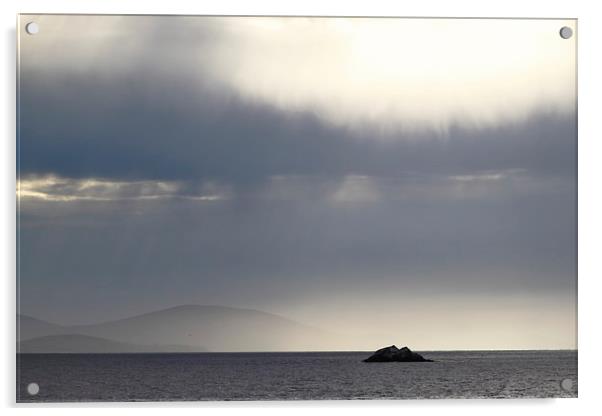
(75, 343)
(29, 327)
(216, 328)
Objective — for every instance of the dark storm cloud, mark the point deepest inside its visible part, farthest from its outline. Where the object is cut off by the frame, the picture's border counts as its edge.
(132, 127)
(144, 107)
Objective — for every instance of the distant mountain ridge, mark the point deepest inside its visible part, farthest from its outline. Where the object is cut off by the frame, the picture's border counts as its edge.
(29, 327)
(76, 343)
(186, 327)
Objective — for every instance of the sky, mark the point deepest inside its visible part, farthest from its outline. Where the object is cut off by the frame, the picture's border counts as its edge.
(408, 181)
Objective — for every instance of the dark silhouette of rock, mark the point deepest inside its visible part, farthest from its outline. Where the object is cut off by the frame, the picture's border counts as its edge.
(394, 354)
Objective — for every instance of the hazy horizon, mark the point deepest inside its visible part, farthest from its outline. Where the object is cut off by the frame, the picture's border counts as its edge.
(73, 330)
(335, 172)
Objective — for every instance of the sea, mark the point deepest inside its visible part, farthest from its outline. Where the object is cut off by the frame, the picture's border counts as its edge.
(293, 376)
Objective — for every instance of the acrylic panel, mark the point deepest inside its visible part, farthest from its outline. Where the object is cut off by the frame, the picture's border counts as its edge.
(295, 208)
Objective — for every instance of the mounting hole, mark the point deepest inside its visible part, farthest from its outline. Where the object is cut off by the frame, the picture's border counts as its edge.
(33, 389)
(32, 28)
(567, 384)
(566, 32)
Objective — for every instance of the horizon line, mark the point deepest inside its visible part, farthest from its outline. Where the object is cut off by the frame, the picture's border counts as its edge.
(305, 351)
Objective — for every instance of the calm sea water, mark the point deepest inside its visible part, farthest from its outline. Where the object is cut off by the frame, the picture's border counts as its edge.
(294, 376)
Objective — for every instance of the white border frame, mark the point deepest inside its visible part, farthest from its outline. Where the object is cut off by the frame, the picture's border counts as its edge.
(590, 200)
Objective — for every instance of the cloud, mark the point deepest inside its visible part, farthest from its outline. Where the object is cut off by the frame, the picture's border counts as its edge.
(512, 234)
(57, 189)
(388, 74)
(130, 129)
(399, 74)
(148, 98)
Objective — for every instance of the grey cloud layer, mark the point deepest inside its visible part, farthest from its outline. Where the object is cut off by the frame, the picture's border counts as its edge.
(253, 250)
(302, 207)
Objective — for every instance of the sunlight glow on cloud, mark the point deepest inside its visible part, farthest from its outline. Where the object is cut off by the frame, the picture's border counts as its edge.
(408, 73)
(56, 189)
(355, 188)
(347, 190)
(487, 176)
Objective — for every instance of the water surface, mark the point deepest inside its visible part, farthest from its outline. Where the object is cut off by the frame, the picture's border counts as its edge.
(293, 376)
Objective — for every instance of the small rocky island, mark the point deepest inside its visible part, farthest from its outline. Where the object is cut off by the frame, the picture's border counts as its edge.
(394, 354)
